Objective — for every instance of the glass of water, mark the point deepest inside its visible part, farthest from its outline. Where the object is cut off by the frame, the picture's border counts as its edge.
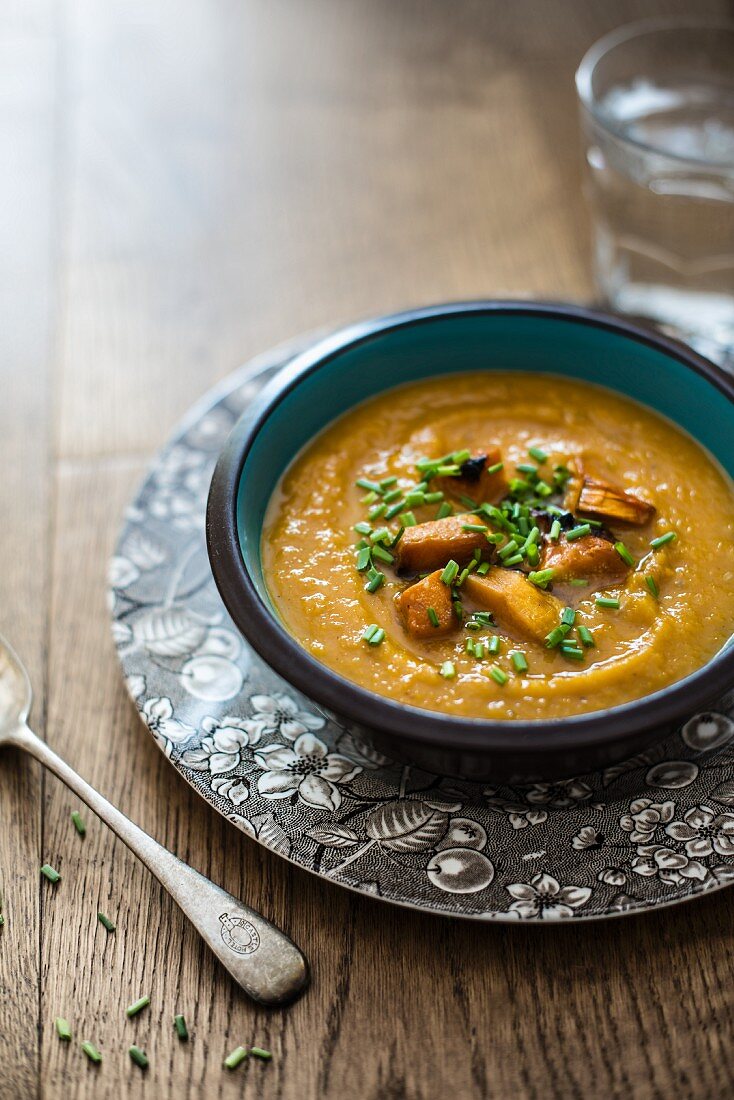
(657, 106)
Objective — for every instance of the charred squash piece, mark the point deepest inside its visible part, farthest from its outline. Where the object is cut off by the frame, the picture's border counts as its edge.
(515, 603)
(602, 500)
(591, 557)
(414, 603)
(475, 481)
(428, 545)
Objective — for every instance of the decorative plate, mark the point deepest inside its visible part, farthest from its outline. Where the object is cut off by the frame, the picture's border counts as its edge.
(653, 831)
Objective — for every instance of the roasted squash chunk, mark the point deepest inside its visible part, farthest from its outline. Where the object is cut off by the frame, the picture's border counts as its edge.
(602, 500)
(590, 557)
(428, 545)
(414, 604)
(475, 481)
(515, 603)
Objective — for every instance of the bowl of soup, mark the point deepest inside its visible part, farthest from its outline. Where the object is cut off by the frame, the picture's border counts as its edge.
(494, 539)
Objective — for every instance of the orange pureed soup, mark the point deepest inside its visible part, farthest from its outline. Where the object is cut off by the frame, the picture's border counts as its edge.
(504, 546)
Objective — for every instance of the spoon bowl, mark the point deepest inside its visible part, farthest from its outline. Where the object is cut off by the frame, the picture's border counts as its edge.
(16, 694)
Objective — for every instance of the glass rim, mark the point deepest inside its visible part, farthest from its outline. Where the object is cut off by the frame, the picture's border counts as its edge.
(627, 32)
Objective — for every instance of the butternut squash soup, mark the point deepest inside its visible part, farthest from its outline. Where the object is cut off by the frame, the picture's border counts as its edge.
(504, 546)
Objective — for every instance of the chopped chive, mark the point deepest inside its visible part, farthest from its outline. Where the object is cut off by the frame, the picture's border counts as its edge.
(473, 625)
(568, 616)
(396, 540)
(594, 522)
(652, 584)
(395, 509)
(449, 470)
(386, 482)
(484, 617)
(78, 820)
(369, 631)
(450, 571)
(360, 545)
(444, 511)
(50, 873)
(498, 675)
(519, 659)
(433, 617)
(2, 920)
(537, 454)
(382, 554)
(376, 578)
(661, 540)
(527, 468)
(380, 534)
(181, 1030)
(556, 636)
(585, 636)
(468, 503)
(479, 651)
(494, 539)
(533, 554)
(364, 559)
(414, 499)
(469, 646)
(573, 652)
(392, 495)
(508, 549)
(533, 536)
(542, 577)
(235, 1057)
(377, 638)
(408, 519)
(495, 469)
(543, 489)
(514, 560)
(607, 601)
(578, 532)
(369, 498)
(91, 1052)
(139, 1057)
(363, 528)
(555, 530)
(433, 498)
(258, 1052)
(105, 922)
(624, 554)
(137, 1006)
(377, 510)
(483, 568)
(460, 457)
(364, 483)
(474, 527)
(493, 645)
(447, 670)
(462, 576)
(62, 1029)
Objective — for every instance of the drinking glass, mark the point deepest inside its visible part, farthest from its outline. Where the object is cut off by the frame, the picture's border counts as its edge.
(657, 109)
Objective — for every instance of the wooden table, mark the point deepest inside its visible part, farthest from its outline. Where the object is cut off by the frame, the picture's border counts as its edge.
(183, 184)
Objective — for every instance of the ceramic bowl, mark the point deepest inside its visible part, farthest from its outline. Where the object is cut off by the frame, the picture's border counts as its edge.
(368, 358)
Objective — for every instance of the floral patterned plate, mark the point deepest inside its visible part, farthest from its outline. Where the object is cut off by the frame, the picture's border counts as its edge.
(655, 830)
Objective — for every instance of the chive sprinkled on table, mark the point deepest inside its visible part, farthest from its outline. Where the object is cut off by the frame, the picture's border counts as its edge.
(236, 1056)
(78, 821)
(258, 1052)
(137, 1006)
(138, 1056)
(106, 922)
(182, 1031)
(91, 1051)
(62, 1029)
(50, 873)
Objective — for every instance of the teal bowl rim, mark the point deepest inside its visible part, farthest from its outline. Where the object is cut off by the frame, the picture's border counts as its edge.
(616, 727)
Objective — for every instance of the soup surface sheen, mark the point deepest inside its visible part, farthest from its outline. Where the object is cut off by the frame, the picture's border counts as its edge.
(643, 645)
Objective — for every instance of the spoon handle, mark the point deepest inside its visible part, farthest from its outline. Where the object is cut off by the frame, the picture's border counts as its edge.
(265, 962)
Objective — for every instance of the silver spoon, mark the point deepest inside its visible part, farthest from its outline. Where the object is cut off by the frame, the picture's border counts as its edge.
(265, 962)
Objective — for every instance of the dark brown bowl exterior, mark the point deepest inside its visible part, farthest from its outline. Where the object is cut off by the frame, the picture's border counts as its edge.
(474, 749)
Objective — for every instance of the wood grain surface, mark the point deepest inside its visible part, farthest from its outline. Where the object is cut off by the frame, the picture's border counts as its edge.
(182, 184)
